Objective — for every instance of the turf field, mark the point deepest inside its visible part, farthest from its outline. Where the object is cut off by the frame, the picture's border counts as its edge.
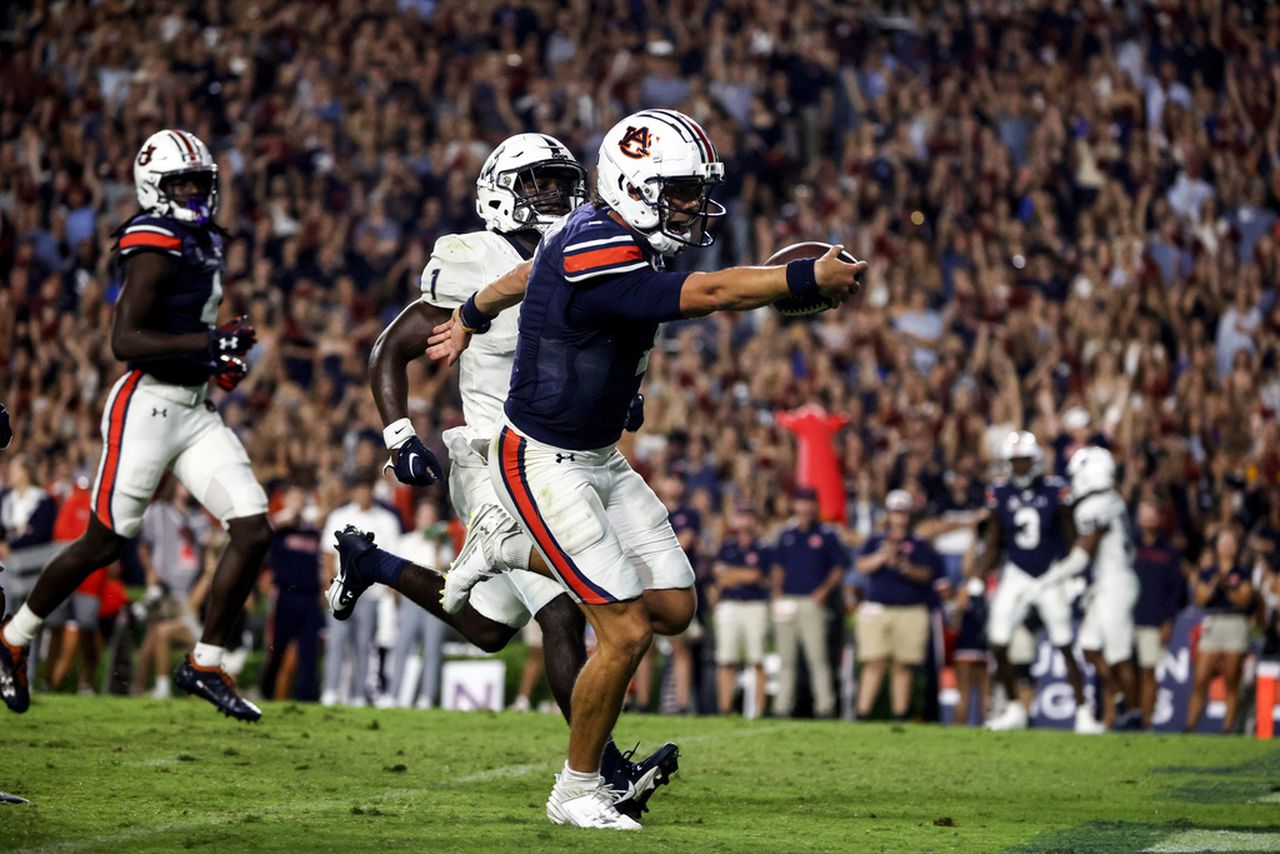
(139, 774)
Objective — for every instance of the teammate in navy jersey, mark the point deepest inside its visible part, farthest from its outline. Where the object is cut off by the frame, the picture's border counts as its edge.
(156, 417)
(1030, 525)
(595, 299)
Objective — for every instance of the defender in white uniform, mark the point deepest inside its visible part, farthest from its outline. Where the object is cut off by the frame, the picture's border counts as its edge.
(527, 183)
(1103, 539)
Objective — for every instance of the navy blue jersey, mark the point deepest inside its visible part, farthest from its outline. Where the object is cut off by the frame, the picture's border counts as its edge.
(590, 315)
(188, 301)
(1030, 522)
(1158, 566)
(807, 556)
(755, 555)
(887, 586)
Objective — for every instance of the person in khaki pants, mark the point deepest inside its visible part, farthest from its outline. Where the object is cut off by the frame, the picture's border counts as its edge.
(808, 563)
(904, 576)
(742, 608)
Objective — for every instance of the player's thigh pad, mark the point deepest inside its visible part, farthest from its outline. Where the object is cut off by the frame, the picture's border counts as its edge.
(643, 526)
(215, 469)
(1008, 608)
(553, 494)
(141, 434)
(1054, 606)
(1114, 608)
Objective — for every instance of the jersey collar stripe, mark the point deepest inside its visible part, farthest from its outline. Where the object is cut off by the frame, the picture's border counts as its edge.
(591, 244)
(147, 238)
(603, 271)
(511, 448)
(603, 257)
(115, 434)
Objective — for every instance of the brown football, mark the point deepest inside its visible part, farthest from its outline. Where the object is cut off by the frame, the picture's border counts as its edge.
(793, 306)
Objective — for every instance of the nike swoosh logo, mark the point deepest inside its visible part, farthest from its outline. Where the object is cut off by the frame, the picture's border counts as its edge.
(412, 457)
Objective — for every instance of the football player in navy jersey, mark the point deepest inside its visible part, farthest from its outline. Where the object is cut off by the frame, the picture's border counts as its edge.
(595, 298)
(1030, 525)
(157, 417)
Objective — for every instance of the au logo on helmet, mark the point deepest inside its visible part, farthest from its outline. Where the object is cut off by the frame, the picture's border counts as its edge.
(144, 157)
(635, 142)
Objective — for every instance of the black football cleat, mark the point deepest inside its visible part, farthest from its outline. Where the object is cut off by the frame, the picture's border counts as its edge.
(13, 676)
(215, 685)
(633, 783)
(353, 576)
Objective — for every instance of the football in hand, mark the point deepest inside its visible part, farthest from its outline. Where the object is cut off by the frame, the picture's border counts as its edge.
(794, 306)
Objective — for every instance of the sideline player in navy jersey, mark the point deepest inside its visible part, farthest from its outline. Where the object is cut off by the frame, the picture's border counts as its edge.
(1030, 525)
(157, 417)
(595, 298)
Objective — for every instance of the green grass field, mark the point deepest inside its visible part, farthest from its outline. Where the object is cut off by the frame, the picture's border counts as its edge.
(146, 775)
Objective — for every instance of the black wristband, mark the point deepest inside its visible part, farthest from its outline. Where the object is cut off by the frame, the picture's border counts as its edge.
(473, 319)
(801, 280)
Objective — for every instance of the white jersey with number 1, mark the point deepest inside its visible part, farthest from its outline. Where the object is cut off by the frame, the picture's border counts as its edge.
(460, 265)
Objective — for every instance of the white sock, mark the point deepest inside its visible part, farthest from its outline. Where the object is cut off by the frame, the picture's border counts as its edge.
(163, 688)
(514, 551)
(207, 655)
(579, 779)
(24, 626)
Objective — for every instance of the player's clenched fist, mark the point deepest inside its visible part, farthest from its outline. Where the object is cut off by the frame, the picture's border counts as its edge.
(414, 465)
(837, 279)
(233, 338)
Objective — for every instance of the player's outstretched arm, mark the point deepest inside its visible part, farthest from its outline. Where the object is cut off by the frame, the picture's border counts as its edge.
(130, 338)
(742, 288)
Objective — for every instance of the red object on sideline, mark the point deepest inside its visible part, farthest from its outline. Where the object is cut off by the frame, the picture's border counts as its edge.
(816, 463)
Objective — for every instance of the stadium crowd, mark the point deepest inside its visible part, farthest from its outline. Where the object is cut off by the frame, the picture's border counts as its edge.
(1071, 214)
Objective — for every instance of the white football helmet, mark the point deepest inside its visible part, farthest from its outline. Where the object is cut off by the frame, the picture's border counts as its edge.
(661, 156)
(528, 182)
(166, 156)
(1092, 469)
(1022, 445)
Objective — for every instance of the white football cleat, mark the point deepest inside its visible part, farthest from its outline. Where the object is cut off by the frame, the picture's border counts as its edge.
(589, 805)
(1087, 724)
(479, 558)
(1013, 717)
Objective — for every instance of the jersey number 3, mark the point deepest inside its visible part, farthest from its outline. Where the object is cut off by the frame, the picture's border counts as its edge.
(1026, 524)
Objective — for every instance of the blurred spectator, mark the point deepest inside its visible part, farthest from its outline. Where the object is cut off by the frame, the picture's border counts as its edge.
(971, 656)
(418, 634)
(1163, 592)
(742, 609)
(86, 602)
(1225, 592)
(686, 647)
(349, 644)
(293, 652)
(27, 514)
(809, 562)
(171, 549)
(903, 578)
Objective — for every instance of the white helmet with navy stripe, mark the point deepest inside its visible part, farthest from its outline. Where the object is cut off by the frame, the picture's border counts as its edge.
(1092, 469)
(166, 157)
(657, 169)
(528, 182)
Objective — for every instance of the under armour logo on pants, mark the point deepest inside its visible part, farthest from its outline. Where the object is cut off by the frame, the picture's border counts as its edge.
(562, 457)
